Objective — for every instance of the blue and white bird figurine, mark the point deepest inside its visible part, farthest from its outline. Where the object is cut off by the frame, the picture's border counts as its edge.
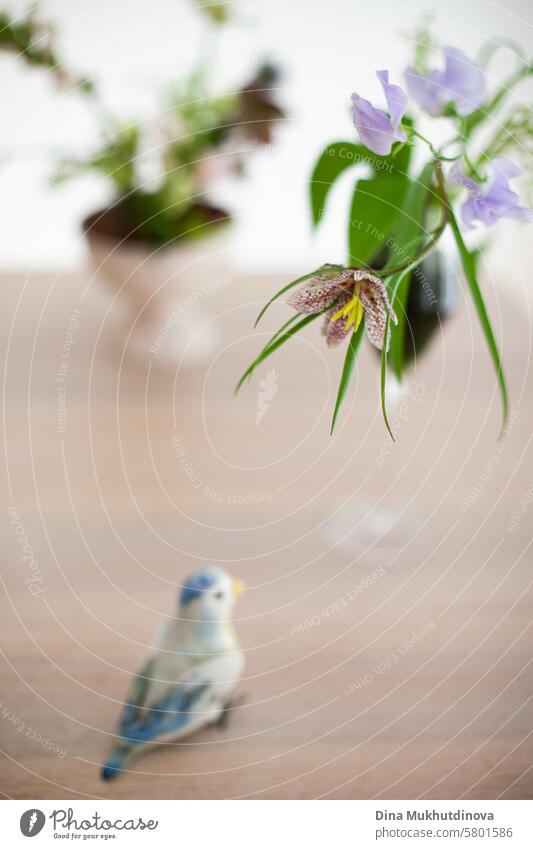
(188, 681)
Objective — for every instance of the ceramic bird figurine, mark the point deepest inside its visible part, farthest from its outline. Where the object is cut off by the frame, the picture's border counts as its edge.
(188, 681)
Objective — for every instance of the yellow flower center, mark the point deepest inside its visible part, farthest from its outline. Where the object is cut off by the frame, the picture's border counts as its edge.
(352, 311)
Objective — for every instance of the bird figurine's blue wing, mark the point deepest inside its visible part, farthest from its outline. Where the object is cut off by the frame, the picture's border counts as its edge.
(138, 696)
(142, 726)
(188, 681)
(172, 713)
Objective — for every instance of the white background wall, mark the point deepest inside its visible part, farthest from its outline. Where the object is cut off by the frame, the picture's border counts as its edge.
(132, 47)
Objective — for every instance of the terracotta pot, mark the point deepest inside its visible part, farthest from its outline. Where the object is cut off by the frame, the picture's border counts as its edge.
(163, 295)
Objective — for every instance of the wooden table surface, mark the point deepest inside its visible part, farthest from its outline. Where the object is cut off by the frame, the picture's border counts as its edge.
(387, 623)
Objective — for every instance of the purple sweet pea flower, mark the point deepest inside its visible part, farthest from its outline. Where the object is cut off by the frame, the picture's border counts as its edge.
(461, 82)
(377, 130)
(496, 201)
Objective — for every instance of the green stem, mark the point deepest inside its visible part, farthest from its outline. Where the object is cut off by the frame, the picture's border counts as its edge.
(436, 153)
(424, 139)
(473, 168)
(472, 121)
(471, 278)
(508, 133)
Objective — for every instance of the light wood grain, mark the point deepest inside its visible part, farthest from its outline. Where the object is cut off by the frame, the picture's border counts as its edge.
(115, 521)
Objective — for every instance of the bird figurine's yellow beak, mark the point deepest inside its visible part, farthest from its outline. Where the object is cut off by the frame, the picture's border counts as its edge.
(238, 587)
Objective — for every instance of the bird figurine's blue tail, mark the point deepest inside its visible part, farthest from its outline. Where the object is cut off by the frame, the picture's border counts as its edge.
(117, 762)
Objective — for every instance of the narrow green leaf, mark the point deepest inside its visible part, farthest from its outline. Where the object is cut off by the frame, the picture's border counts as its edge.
(384, 377)
(469, 268)
(384, 352)
(282, 329)
(290, 286)
(273, 338)
(376, 205)
(277, 340)
(349, 362)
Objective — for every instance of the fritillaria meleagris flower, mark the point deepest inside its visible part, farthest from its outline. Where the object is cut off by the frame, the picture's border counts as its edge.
(460, 82)
(351, 293)
(497, 200)
(377, 130)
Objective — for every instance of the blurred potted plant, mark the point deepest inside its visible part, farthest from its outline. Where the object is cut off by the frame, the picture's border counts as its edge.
(162, 243)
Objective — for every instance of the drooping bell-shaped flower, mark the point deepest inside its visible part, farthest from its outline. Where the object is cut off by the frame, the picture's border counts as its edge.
(377, 130)
(321, 290)
(460, 82)
(351, 293)
(487, 205)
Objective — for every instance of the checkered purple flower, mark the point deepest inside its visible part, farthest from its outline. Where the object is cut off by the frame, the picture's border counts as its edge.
(350, 293)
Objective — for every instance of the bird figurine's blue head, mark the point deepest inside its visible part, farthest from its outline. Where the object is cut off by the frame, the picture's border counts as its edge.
(209, 595)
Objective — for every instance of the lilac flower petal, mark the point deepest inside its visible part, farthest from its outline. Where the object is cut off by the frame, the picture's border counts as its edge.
(497, 201)
(464, 81)
(499, 191)
(373, 126)
(505, 202)
(396, 100)
(376, 129)
(425, 90)
(471, 212)
(505, 168)
(520, 213)
(500, 194)
(461, 82)
(457, 176)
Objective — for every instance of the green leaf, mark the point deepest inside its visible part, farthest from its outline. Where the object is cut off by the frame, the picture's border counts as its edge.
(272, 339)
(469, 268)
(349, 362)
(384, 351)
(291, 285)
(376, 204)
(338, 157)
(279, 338)
(407, 235)
(334, 160)
(282, 329)
(384, 377)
